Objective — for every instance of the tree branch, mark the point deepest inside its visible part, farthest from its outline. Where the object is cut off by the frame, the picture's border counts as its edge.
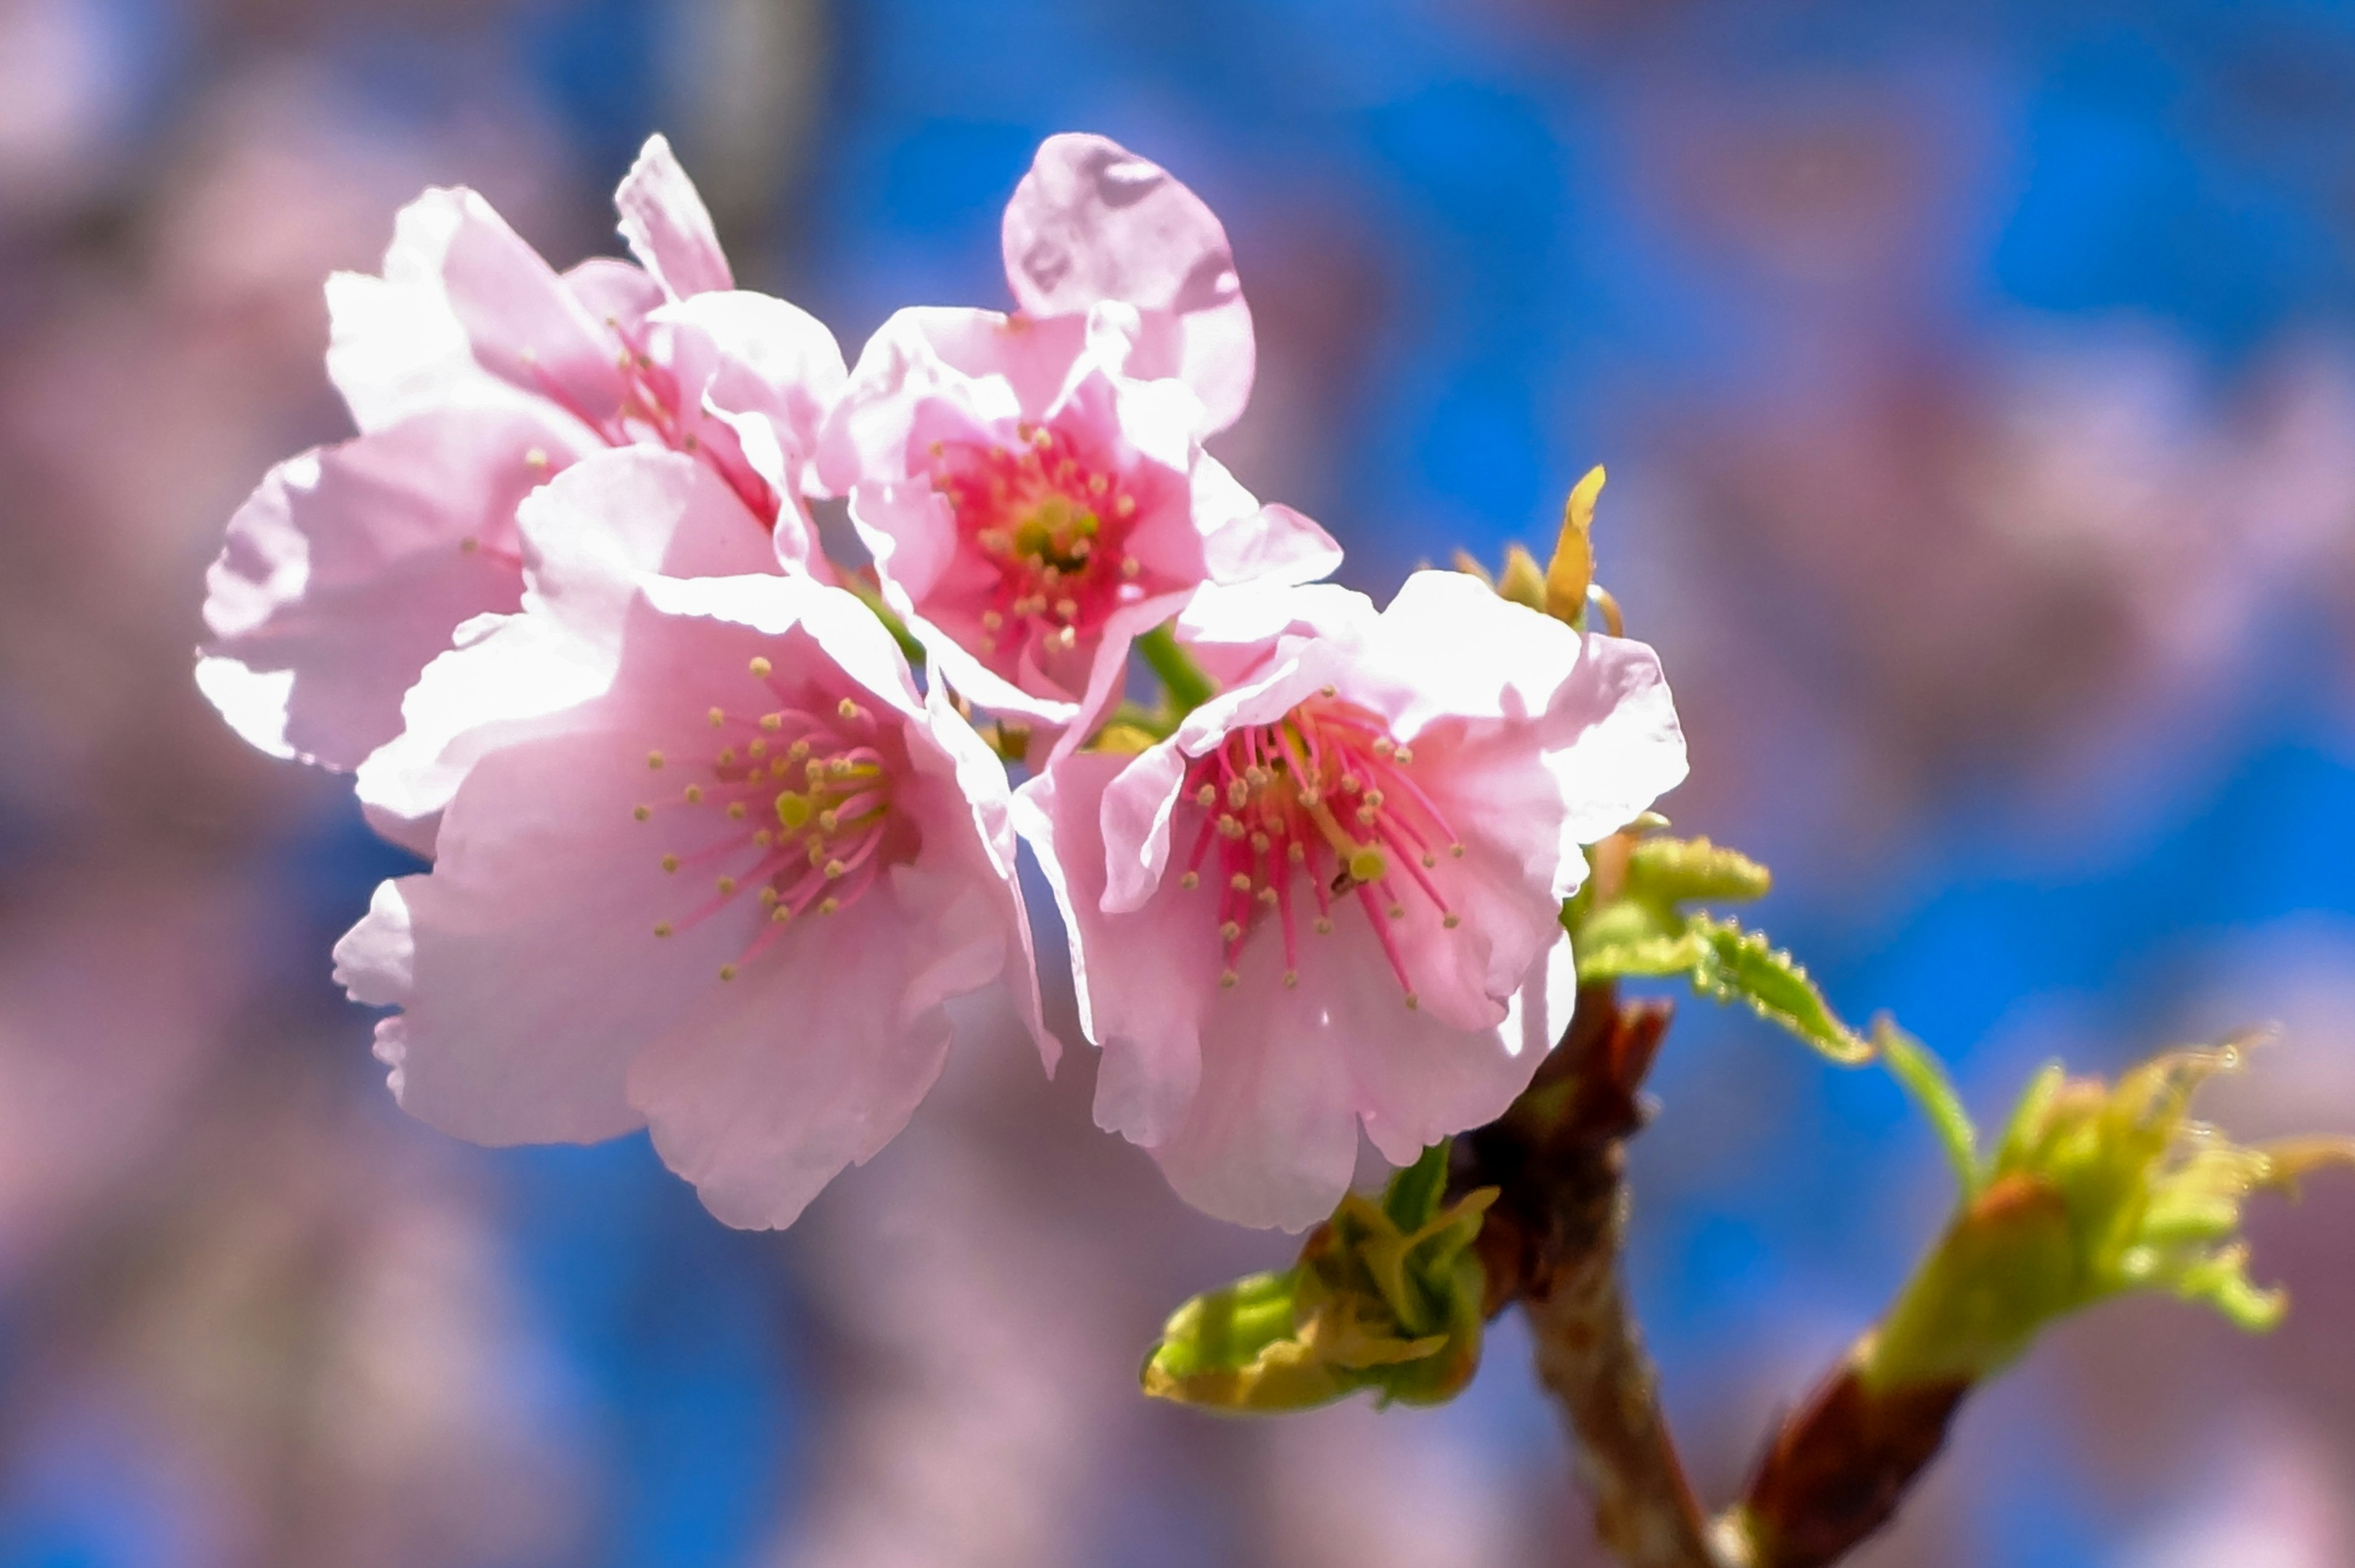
(1552, 1243)
(1838, 1467)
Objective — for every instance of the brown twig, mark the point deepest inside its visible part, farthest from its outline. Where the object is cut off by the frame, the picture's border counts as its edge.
(1552, 1243)
(1835, 1471)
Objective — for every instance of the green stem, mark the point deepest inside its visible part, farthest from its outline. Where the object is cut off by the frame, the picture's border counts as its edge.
(1187, 687)
(871, 596)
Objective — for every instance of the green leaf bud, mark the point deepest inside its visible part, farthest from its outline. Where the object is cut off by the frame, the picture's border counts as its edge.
(2095, 1189)
(1385, 1296)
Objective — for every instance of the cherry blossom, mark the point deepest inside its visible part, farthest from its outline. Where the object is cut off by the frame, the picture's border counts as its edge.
(711, 864)
(1332, 897)
(475, 373)
(1033, 485)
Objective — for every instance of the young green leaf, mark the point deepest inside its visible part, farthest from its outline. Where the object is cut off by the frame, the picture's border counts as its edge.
(1630, 919)
(1924, 1078)
(1738, 965)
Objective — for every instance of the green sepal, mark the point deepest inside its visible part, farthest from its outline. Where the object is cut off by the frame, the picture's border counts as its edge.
(1523, 581)
(1385, 1296)
(2095, 1189)
(1570, 571)
(1630, 921)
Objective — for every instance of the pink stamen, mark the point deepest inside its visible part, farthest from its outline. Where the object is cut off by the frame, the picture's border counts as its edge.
(838, 788)
(1382, 928)
(1053, 521)
(1397, 778)
(556, 393)
(1284, 918)
(1413, 864)
(1202, 842)
(1312, 792)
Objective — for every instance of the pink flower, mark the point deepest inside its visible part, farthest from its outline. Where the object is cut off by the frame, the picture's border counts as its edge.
(721, 882)
(477, 373)
(1033, 486)
(1332, 896)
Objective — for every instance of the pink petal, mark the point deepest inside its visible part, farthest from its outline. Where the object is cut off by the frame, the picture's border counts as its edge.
(974, 779)
(351, 567)
(395, 348)
(1092, 223)
(610, 289)
(1597, 710)
(1269, 1137)
(463, 298)
(1508, 917)
(1108, 673)
(525, 325)
(638, 510)
(1135, 826)
(510, 677)
(1515, 659)
(1415, 1080)
(667, 227)
(997, 367)
(1139, 980)
(1237, 632)
(540, 1003)
(590, 537)
(526, 963)
(1274, 544)
(763, 1092)
(1630, 750)
(762, 357)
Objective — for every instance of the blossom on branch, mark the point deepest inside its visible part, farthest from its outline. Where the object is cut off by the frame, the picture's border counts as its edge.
(1033, 485)
(1333, 897)
(475, 373)
(710, 863)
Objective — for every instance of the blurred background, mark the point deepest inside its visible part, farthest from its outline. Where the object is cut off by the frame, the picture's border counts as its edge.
(1979, 402)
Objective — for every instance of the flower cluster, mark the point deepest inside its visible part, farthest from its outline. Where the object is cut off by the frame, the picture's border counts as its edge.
(709, 857)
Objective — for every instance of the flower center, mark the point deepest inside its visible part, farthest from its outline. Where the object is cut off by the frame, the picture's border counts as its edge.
(1053, 523)
(1324, 793)
(800, 797)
